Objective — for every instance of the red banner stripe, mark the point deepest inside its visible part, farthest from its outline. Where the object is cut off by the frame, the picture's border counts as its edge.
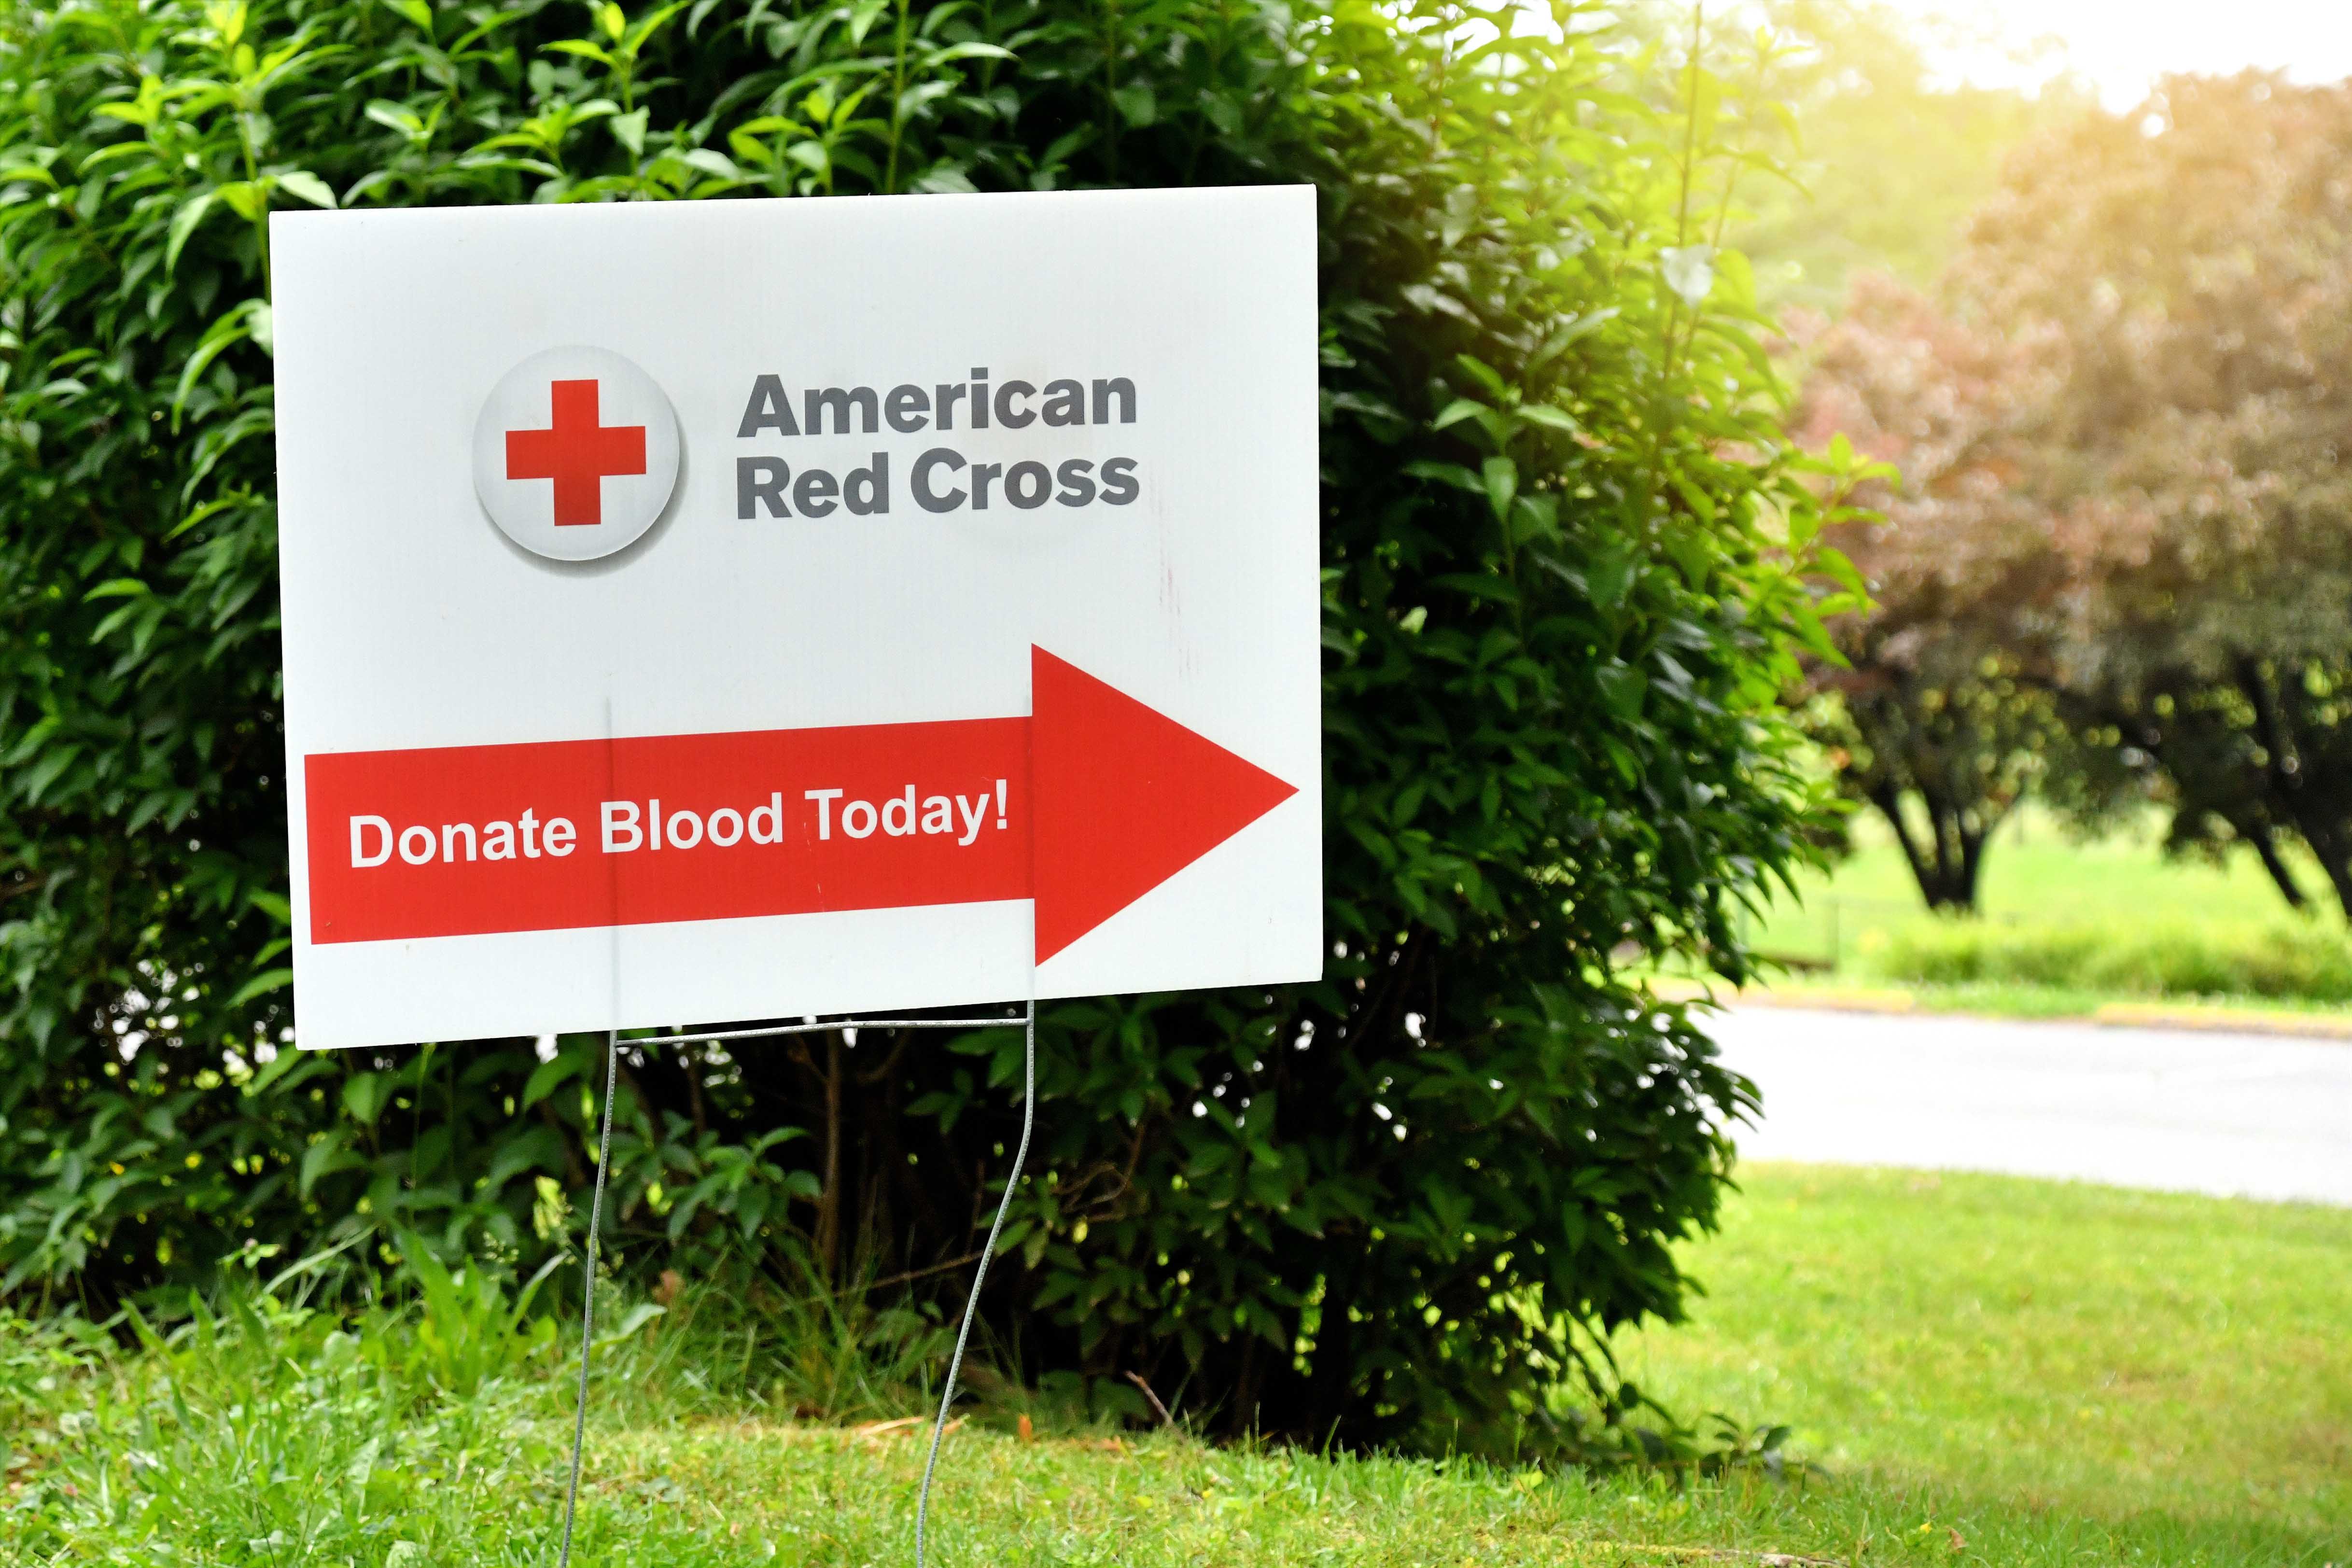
(468, 839)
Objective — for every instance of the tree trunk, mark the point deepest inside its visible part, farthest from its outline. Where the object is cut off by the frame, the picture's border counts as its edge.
(1965, 861)
(828, 1209)
(2287, 783)
(1946, 864)
(2284, 879)
(1889, 802)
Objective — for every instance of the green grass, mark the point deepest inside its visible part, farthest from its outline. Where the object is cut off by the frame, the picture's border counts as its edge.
(2067, 926)
(1988, 1371)
(2178, 1364)
(2034, 871)
(2001, 999)
(2014, 999)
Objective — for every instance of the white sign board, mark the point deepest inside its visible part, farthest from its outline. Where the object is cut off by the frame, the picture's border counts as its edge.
(725, 610)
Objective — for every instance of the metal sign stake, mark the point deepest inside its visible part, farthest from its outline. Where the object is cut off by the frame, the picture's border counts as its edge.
(980, 1274)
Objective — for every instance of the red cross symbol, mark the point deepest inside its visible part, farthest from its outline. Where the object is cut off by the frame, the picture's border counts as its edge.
(577, 453)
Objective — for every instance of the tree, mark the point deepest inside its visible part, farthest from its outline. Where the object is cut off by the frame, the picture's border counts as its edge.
(1927, 720)
(2191, 268)
(1401, 1204)
(1931, 716)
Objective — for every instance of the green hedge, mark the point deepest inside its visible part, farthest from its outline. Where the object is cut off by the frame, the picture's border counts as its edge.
(1559, 603)
(2302, 961)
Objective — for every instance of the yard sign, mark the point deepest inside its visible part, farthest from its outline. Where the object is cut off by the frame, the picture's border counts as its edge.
(724, 610)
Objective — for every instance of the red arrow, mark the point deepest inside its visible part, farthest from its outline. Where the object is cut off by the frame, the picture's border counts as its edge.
(1126, 797)
(463, 840)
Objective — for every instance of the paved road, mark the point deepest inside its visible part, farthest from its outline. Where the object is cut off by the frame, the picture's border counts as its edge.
(2248, 1115)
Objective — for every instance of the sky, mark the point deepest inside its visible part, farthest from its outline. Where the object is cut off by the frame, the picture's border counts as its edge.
(2120, 46)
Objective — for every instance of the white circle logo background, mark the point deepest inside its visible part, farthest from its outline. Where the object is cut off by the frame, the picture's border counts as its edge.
(625, 504)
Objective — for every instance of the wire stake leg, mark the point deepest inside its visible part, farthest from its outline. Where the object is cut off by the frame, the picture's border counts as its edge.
(980, 1274)
(971, 1305)
(588, 1290)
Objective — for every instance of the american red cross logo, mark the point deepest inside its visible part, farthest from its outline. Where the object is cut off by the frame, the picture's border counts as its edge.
(578, 452)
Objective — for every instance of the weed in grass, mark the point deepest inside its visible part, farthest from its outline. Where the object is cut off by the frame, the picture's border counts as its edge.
(469, 1327)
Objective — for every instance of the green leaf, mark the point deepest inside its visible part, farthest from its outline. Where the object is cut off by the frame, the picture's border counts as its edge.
(262, 985)
(716, 164)
(1485, 375)
(586, 51)
(365, 1094)
(1138, 104)
(1461, 409)
(552, 1075)
(324, 1159)
(1610, 578)
(231, 328)
(1570, 333)
(305, 187)
(1622, 689)
(250, 199)
(396, 116)
(184, 224)
(1500, 479)
(1452, 474)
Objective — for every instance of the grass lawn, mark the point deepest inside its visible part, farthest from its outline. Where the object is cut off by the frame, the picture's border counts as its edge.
(2032, 871)
(2178, 1366)
(2015, 999)
(1856, 916)
(1989, 1371)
